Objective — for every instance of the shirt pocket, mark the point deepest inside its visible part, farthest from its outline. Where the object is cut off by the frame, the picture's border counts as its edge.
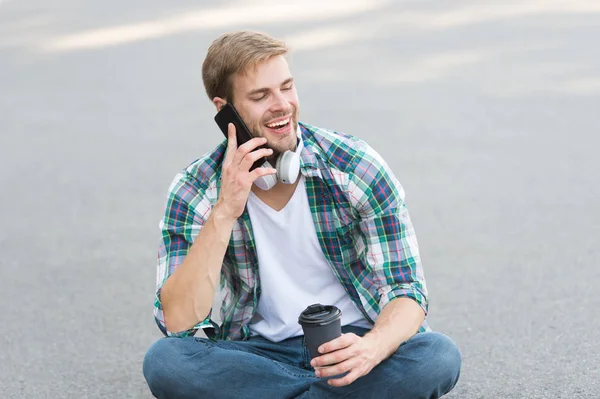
(348, 236)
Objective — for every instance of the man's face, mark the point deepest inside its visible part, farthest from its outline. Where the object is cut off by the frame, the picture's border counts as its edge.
(266, 99)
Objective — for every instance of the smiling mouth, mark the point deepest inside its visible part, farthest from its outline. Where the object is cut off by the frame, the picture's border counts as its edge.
(280, 125)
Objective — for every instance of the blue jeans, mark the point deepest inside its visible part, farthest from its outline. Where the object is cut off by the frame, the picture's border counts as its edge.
(425, 366)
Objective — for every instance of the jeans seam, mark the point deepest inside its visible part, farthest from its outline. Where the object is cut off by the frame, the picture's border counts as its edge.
(289, 372)
(305, 355)
(272, 360)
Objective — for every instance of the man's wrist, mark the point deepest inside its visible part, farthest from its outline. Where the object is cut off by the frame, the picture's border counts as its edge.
(381, 346)
(221, 214)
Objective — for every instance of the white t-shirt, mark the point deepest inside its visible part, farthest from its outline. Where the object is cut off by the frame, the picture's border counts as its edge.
(294, 273)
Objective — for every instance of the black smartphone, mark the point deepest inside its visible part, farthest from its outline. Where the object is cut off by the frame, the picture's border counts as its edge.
(227, 115)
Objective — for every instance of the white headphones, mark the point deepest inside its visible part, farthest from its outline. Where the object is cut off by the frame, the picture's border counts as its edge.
(287, 165)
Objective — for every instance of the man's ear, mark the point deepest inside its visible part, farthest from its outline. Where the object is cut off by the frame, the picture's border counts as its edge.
(219, 103)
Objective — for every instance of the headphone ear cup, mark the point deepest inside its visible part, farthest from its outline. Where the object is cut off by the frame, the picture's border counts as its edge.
(288, 167)
(266, 182)
(280, 163)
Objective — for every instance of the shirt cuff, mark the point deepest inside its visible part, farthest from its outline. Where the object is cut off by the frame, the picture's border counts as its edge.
(405, 290)
(210, 328)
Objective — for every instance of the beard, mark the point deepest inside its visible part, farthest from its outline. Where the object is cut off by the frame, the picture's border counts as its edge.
(282, 144)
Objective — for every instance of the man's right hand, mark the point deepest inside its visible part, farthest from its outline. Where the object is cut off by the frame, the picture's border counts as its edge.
(237, 179)
(187, 295)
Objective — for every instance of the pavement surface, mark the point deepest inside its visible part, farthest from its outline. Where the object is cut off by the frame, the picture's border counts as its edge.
(487, 112)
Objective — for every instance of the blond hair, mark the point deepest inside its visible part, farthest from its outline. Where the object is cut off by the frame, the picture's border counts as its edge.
(232, 53)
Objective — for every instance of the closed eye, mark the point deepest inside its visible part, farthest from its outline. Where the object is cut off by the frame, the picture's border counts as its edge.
(257, 99)
(287, 85)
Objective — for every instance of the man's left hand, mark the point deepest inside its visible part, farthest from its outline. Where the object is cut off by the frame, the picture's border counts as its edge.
(347, 353)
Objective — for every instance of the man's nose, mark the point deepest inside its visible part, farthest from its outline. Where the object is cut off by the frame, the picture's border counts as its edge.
(280, 103)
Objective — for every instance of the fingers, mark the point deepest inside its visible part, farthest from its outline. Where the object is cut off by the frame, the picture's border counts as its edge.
(236, 176)
(337, 369)
(259, 172)
(332, 358)
(248, 147)
(348, 354)
(347, 379)
(254, 156)
(341, 342)
(236, 154)
(231, 143)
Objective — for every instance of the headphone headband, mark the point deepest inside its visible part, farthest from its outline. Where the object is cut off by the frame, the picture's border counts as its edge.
(299, 144)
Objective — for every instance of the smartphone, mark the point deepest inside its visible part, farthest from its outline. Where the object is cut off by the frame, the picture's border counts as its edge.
(227, 115)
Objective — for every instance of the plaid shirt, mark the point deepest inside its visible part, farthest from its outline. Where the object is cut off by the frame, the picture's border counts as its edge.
(360, 217)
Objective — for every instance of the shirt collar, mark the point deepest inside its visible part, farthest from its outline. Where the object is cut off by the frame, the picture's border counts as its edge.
(308, 158)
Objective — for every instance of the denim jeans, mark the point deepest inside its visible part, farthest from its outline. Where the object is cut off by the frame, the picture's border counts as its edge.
(425, 366)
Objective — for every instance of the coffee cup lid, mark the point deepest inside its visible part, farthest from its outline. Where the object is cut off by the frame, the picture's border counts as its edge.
(318, 314)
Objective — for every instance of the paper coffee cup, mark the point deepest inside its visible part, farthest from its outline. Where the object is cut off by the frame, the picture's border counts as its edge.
(320, 323)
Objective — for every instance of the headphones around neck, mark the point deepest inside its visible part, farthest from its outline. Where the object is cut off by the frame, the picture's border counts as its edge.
(287, 165)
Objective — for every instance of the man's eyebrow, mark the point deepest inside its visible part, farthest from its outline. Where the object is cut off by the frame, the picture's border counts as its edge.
(266, 89)
(287, 81)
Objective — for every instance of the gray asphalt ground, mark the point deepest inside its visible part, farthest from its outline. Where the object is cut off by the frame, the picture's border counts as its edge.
(486, 111)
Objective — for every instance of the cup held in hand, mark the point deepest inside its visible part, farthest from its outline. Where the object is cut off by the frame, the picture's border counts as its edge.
(320, 323)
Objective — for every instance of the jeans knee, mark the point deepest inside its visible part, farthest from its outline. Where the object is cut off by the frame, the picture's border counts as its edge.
(160, 365)
(441, 363)
(436, 367)
(448, 357)
(155, 360)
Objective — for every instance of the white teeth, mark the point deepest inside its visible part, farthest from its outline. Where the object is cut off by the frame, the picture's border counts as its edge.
(278, 124)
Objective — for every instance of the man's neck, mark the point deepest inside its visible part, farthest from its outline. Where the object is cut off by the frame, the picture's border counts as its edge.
(278, 196)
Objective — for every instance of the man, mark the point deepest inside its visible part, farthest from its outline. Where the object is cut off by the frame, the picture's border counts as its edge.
(339, 234)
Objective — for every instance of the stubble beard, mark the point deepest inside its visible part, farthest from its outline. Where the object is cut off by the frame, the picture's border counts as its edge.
(289, 144)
